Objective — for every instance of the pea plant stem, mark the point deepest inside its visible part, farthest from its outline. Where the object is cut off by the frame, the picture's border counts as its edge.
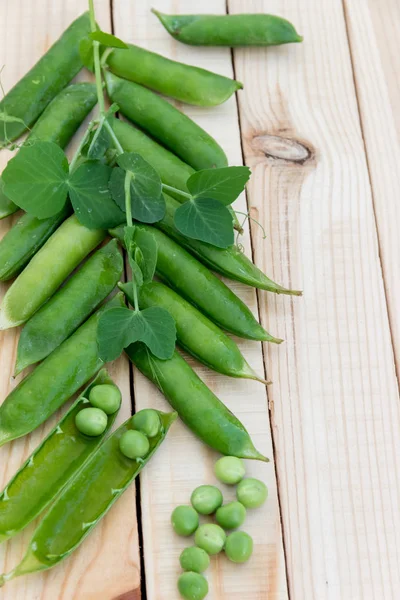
(169, 188)
(83, 141)
(128, 207)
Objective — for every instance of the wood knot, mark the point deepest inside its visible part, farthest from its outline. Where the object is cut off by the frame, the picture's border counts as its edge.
(282, 149)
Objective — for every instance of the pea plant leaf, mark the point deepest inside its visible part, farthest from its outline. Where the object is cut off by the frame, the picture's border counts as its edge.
(224, 184)
(145, 253)
(86, 53)
(129, 237)
(107, 39)
(147, 201)
(159, 332)
(207, 220)
(36, 179)
(91, 198)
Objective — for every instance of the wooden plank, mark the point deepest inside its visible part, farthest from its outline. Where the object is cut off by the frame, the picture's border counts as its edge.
(107, 565)
(335, 405)
(373, 29)
(184, 463)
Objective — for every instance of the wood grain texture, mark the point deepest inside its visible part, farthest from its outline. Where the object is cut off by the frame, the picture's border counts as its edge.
(107, 565)
(184, 463)
(335, 405)
(373, 31)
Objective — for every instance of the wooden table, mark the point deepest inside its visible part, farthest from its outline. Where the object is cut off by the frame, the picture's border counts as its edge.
(319, 125)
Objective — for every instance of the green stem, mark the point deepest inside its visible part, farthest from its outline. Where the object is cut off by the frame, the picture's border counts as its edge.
(81, 144)
(128, 207)
(135, 297)
(96, 57)
(172, 189)
(114, 137)
(252, 219)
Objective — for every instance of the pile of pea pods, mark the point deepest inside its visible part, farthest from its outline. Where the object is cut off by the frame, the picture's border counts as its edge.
(63, 274)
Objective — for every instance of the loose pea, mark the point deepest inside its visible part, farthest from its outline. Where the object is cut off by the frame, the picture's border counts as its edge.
(252, 493)
(91, 421)
(185, 520)
(210, 538)
(229, 469)
(107, 397)
(239, 547)
(192, 586)
(194, 559)
(147, 421)
(134, 444)
(206, 499)
(231, 515)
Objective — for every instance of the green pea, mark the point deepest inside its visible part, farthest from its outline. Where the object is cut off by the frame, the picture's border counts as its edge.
(252, 493)
(91, 421)
(134, 444)
(229, 469)
(107, 397)
(147, 421)
(231, 515)
(239, 547)
(194, 559)
(206, 499)
(192, 586)
(185, 520)
(210, 538)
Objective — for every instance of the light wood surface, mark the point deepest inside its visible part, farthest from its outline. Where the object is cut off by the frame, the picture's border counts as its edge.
(318, 125)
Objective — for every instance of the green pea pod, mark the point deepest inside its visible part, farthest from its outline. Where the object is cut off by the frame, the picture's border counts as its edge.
(171, 78)
(29, 97)
(85, 500)
(55, 380)
(195, 403)
(165, 123)
(60, 255)
(58, 123)
(229, 30)
(70, 306)
(51, 465)
(192, 280)
(231, 262)
(195, 332)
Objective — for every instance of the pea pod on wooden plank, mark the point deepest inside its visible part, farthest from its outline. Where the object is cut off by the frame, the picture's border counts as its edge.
(230, 262)
(200, 287)
(60, 255)
(70, 306)
(165, 123)
(195, 332)
(180, 81)
(58, 123)
(85, 500)
(195, 403)
(30, 96)
(55, 380)
(229, 30)
(47, 470)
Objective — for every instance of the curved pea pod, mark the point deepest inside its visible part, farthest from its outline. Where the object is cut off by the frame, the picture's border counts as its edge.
(229, 30)
(70, 306)
(192, 280)
(55, 380)
(180, 81)
(165, 123)
(85, 500)
(60, 255)
(48, 469)
(195, 332)
(231, 262)
(30, 96)
(195, 403)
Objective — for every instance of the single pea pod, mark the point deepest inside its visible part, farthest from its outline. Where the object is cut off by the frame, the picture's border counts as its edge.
(192, 280)
(195, 332)
(55, 380)
(70, 306)
(58, 123)
(60, 255)
(174, 79)
(195, 403)
(165, 123)
(49, 468)
(26, 101)
(85, 500)
(229, 30)
(231, 262)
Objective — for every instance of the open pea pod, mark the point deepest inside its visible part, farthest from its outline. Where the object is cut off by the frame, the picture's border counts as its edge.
(58, 458)
(85, 500)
